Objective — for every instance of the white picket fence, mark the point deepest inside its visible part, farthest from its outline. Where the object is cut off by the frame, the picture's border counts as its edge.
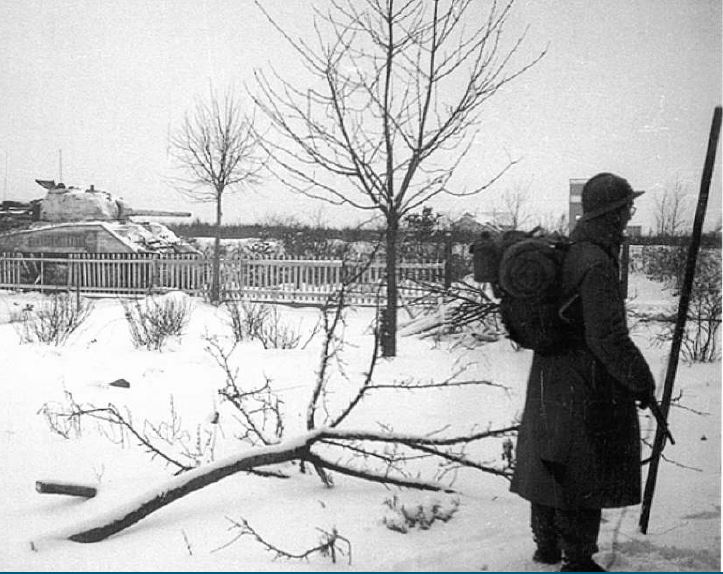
(302, 281)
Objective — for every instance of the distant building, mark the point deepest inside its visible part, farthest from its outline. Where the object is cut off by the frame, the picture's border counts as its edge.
(500, 220)
(491, 221)
(467, 224)
(634, 230)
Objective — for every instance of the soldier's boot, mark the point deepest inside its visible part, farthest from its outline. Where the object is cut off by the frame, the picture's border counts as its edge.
(544, 533)
(579, 531)
(545, 555)
(580, 564)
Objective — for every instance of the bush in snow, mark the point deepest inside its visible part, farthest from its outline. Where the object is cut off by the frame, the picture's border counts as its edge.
(275, 334)
(401, 517)
(700, 340)
(53, 321)
(704, 316)
(664, 263)
(246, 319)
(261, 322)
(152, 321)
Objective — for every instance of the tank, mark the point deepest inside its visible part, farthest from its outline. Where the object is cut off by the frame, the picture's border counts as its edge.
(64, 204)
(71, 220)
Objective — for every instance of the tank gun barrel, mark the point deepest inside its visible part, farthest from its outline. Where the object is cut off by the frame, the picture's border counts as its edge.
(130, 212)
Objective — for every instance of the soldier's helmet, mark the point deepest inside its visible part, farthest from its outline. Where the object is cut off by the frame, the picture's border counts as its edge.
(605, 192)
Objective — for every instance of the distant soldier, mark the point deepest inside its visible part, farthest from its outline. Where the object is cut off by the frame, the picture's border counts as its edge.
(578, 449)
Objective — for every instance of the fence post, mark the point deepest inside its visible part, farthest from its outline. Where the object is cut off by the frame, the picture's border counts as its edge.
(155, 273)
(625, 268)
(447, 259)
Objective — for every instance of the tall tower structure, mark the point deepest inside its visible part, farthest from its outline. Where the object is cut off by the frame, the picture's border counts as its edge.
(575, 210)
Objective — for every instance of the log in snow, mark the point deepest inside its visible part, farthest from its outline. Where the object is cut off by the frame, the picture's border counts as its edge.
(69, 488)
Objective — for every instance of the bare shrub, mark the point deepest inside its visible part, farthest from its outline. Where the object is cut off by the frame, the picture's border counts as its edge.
(402, 517)
(665, 264)
(275, 334)
(700, 339)
(152, 321)
(704, 315)
(263, 323)
(246, 319)
(53, 321)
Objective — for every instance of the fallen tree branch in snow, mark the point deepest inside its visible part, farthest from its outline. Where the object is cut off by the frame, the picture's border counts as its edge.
(668, 459)
(108, 523)
(126, 515)
(263, 428)
(461, 460)
(414, 439)
(258, 410)
(415, 385)
(111, 415)
(376, 477)
(466, 303)
(168, 433)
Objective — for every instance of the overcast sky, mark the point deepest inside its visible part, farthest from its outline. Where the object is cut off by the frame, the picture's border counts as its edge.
(627, 86)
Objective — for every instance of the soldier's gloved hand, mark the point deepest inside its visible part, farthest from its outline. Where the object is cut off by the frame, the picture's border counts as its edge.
(644, 398)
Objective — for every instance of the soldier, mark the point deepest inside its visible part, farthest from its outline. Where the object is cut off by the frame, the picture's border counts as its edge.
(578, 448)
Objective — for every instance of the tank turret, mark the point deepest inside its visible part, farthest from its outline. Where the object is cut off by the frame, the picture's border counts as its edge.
(66, 204)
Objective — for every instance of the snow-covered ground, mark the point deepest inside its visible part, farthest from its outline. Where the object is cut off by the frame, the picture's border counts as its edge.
(488, 531)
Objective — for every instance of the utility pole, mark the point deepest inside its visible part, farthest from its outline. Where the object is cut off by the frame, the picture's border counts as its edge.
(5, 184)
(60, 166)
(685, 294)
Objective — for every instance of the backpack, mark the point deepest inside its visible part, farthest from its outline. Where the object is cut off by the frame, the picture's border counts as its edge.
(524, 270)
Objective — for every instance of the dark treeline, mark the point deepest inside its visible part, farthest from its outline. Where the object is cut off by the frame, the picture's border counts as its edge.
(709, 240)
(352, 234)
(275, 231)
(311, 233)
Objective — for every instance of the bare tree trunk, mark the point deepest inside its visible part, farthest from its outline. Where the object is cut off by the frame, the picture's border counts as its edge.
(389, 343)
(216, 271)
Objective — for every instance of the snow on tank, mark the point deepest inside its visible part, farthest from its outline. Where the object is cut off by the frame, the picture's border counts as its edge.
(65, 204)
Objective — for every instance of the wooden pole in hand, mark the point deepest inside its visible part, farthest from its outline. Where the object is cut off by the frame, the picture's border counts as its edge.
(683, 305)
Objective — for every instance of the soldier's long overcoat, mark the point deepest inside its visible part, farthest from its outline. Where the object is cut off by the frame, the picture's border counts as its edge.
(579, 440)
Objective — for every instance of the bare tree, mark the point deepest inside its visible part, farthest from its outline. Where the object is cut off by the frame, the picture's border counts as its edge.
(392, 109)
(553, 222)
(218, 149)
(671, 214)
(512, 206)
